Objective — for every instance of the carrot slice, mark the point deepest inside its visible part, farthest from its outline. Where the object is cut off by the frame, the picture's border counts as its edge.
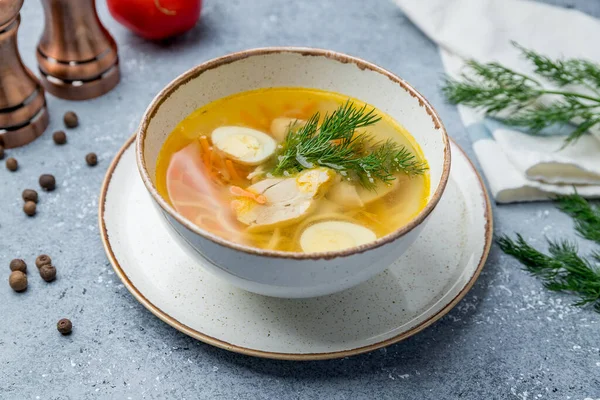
(212, 160)
(238, 191)
(216, 160)
(211, 163)
(234, 175)
(235, 204)
(253, 122)
(260, 199)
(308, 109)
(204, 144)
(248, 119)
(265, 112)
(206, 160)
(206, 152)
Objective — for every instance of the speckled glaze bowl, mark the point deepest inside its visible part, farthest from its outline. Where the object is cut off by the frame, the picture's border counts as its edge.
(276, 273)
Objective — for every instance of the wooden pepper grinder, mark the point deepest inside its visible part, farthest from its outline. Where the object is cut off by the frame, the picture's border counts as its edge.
(76, 55)
(23, 113)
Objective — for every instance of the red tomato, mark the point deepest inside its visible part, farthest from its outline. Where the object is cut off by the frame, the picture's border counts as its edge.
(156, 19)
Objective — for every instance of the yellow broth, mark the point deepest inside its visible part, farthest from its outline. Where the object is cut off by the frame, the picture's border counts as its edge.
(206, 200)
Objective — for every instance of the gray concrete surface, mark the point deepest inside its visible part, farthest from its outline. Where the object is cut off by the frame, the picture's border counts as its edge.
(508, 339)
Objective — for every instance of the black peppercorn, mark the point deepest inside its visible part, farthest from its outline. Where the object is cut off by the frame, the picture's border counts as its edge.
(59, 137)
(64, 326)
(18, 265)
(47, 182)
(48, 272)
(70, 119)
(30, 195)
(12, 164)
(29, 208)
(91, 159)
(17, 281)
(43, 259)
(1, 152)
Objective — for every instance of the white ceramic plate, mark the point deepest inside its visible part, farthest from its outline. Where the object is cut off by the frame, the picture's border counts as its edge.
(418, 289)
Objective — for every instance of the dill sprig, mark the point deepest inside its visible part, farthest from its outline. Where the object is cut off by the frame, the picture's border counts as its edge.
(334, 143)
(585, 215)
(563, 269)
(495, 89)
(564, 72)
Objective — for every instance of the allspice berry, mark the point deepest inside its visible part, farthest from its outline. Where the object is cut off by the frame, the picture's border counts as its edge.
(12, 164)
(30, 195)
(18, 265)
(48, 272)
(1, 152)
(43, 259)
(59, 137)
(47, 182)
(91, 159)
(17, 281)
(29, 208)
(65, 326)
(70, 119)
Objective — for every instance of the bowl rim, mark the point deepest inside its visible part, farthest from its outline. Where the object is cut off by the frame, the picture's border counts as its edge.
(198, 70)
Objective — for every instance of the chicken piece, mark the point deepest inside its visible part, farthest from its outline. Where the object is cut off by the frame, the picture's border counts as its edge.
(288, 199)
(381, 189)
(345, 194)
(281, 125)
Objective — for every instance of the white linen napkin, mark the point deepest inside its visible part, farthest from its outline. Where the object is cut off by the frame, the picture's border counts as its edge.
(518, 167)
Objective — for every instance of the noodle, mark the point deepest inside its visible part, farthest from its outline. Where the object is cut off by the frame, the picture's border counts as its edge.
(274, 239)
(203, 205)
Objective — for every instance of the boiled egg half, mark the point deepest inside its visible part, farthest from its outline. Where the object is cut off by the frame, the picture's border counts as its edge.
(244, 145)
(334, 235)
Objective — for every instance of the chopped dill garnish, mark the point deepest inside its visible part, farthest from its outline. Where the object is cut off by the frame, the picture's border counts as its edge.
(336, 144)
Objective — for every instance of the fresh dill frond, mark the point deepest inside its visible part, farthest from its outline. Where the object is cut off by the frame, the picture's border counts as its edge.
(496, 89)
(491, 87)
(596, 256)
(563, 269)
(585, 215)
(564, 72)
(334, 143)
(561, 112)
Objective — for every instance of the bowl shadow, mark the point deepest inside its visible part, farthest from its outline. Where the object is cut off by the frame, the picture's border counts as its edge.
(423, 351)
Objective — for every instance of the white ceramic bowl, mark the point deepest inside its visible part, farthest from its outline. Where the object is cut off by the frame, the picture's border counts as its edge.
(276, 273)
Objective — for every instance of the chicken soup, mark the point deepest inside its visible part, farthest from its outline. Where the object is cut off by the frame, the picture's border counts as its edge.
(293, 169)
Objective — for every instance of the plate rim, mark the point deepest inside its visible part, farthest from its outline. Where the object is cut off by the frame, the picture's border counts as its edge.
(163, 316)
